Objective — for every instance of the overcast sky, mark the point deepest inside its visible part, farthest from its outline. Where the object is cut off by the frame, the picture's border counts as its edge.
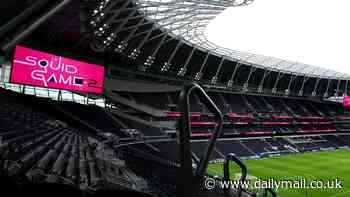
(315, 32)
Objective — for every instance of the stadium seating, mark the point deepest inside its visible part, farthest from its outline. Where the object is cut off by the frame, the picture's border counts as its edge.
(97, 117)
(286, 115)
(44, 148)
(38, 149)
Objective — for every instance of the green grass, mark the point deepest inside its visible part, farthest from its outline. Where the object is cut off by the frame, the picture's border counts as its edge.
(325, 166)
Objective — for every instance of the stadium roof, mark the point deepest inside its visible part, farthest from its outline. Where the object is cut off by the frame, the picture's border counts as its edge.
(312, 32)
(166, 41)
(269, 34)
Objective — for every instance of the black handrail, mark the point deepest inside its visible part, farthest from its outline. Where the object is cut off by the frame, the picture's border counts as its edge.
(232, 157)
(188, 183)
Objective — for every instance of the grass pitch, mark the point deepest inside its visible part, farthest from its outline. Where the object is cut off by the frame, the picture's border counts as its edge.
(329, 165)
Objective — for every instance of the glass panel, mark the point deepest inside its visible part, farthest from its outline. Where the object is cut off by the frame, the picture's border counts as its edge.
(53, 94)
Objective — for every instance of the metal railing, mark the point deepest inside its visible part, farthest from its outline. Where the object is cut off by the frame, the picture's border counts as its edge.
(188, 182)
(227, 190)
(188, 178)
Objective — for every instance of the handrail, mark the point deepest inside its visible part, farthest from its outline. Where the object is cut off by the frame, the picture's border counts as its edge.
(188, 183)
(228, 158)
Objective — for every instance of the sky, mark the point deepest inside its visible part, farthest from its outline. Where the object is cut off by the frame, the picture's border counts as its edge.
(315, 32)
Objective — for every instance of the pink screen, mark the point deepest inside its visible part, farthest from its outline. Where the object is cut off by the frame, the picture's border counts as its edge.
(346, 101)
(37, 68)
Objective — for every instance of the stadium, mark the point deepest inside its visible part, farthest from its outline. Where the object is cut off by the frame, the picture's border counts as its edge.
(133, 98)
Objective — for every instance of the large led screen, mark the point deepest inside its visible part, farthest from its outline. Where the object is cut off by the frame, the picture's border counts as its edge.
(32, 67)
(346, 101)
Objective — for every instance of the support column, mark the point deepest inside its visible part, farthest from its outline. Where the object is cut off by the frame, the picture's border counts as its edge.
(261, 85)
(301, 91)
(246, 84)
(214, 80)
(230, 82)
(326, 93)
(279, 76)
(337, 90)
(315, 88)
